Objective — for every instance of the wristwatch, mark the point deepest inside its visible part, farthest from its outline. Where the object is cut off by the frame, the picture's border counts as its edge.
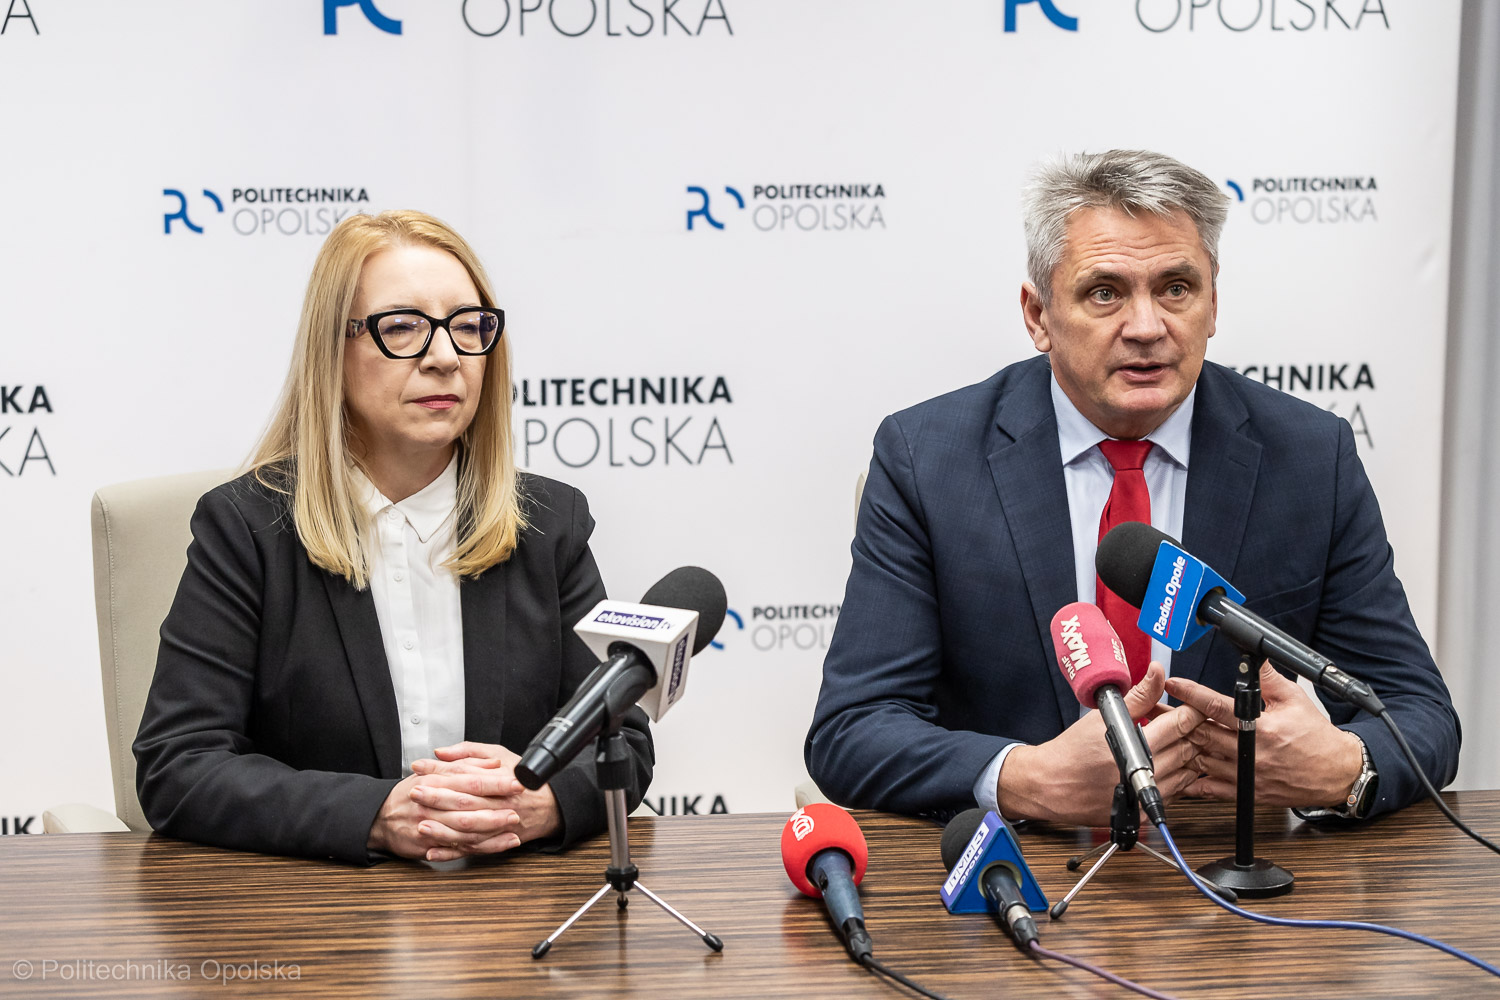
(1361, 795)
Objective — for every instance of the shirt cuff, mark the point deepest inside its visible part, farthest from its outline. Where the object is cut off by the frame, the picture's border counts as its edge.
(987, 786)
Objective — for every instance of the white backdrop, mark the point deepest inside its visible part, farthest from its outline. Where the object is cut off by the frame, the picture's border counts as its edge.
(878, 147)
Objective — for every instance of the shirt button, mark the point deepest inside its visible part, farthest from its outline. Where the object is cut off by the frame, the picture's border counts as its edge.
(416, 720)
(398, 576)
(408, 644)
(393, 517)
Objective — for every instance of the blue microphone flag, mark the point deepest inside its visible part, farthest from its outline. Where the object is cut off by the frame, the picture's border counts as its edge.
(1169, 611)
(992, 844)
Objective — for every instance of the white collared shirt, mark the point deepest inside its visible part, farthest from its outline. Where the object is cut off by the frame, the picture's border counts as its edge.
(418, 607)
(1089, 478)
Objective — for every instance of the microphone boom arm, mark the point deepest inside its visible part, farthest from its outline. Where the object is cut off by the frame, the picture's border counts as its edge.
(1256, 637)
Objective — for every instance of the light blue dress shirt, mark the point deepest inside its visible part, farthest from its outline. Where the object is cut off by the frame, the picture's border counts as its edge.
(1089, 478)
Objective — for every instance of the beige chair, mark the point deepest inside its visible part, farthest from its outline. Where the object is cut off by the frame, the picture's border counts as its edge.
(141, 537)
(808, 791)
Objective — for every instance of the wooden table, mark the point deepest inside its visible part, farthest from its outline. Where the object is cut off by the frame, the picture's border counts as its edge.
(125, 915)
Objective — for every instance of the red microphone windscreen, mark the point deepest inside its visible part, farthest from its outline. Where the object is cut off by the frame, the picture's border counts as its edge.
(816, 827)
(1088, 651)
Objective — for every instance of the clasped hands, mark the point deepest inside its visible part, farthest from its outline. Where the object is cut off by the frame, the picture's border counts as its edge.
(467, 801)
(1302, 759)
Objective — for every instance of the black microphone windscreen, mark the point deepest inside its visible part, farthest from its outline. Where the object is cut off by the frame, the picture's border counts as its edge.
(958, 833)
(692, 588)
(1126, 556)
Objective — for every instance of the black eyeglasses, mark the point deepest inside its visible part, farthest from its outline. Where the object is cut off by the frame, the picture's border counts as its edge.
(407, 333)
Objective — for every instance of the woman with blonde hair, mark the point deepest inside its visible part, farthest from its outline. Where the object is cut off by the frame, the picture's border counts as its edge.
(377, 616)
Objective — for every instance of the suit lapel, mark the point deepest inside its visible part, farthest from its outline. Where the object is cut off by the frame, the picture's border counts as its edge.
(484, 611)
(359, 628)
(1222, 470)
(1027, 469)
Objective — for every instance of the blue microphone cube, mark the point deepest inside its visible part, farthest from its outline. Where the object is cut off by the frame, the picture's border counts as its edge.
(1169, 611)
(992, 844)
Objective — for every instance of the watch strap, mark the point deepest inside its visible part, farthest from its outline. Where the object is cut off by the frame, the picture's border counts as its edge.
(1361, 794)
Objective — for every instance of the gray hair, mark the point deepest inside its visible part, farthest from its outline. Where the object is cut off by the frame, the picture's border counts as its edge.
(1128, 179)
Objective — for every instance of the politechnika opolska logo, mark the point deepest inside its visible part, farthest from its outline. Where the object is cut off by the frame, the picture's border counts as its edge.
(575, 18)
(264, 211)
(367, 7)
(686, 805)
(776, 627)
(568, 18)
(739, 626)
(22, 449)
(1158, 16)
(1308, 200)
(629, 422)
(788, 207)
(1054, 15)
(1332, 386)
(24, 14)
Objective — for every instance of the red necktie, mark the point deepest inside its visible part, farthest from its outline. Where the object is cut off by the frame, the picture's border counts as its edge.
(1128, 501)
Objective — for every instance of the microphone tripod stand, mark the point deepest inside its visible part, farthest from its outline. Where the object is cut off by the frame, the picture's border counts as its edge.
(612, 761)
(1252, 877)
(1124, 833)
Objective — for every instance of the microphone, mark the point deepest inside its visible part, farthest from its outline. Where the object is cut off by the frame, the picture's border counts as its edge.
(825, 854)
(987, 872)
(646, 650)
(1150, 570)
(1092, 658)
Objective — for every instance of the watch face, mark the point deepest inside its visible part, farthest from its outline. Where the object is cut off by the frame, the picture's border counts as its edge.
(1363, 794)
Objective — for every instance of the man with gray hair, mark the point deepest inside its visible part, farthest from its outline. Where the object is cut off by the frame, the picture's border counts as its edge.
(984, 508)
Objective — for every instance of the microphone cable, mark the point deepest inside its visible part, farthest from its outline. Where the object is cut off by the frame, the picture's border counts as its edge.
(1432, 792)
(1079, 963)
(1341, 925)
(875, 965)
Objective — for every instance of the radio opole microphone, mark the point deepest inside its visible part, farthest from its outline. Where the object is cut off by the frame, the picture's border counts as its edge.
(1181, 598)
(646, 648)
(825, 855)
(1092, 658)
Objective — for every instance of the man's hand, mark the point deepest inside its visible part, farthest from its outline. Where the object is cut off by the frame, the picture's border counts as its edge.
(1301, 759)
(1072, 778)
(467, 802)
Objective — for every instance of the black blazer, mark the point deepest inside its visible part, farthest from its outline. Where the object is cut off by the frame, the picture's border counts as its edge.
(271, 722)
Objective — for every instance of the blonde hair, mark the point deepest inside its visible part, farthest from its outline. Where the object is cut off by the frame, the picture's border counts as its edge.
(305, 450)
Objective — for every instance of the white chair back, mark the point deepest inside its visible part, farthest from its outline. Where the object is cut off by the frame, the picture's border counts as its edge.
(141, 536)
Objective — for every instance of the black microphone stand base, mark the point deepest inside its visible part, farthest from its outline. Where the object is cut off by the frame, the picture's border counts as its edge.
(1246, 874)
(613, 765)
(1257, 880)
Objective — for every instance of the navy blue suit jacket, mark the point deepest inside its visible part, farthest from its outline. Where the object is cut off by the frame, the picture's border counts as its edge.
(963, 552)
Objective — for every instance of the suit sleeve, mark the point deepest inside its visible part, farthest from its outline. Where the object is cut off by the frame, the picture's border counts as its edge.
(198, 774)
(873, 741)
(1366, 627)
(576, 787)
